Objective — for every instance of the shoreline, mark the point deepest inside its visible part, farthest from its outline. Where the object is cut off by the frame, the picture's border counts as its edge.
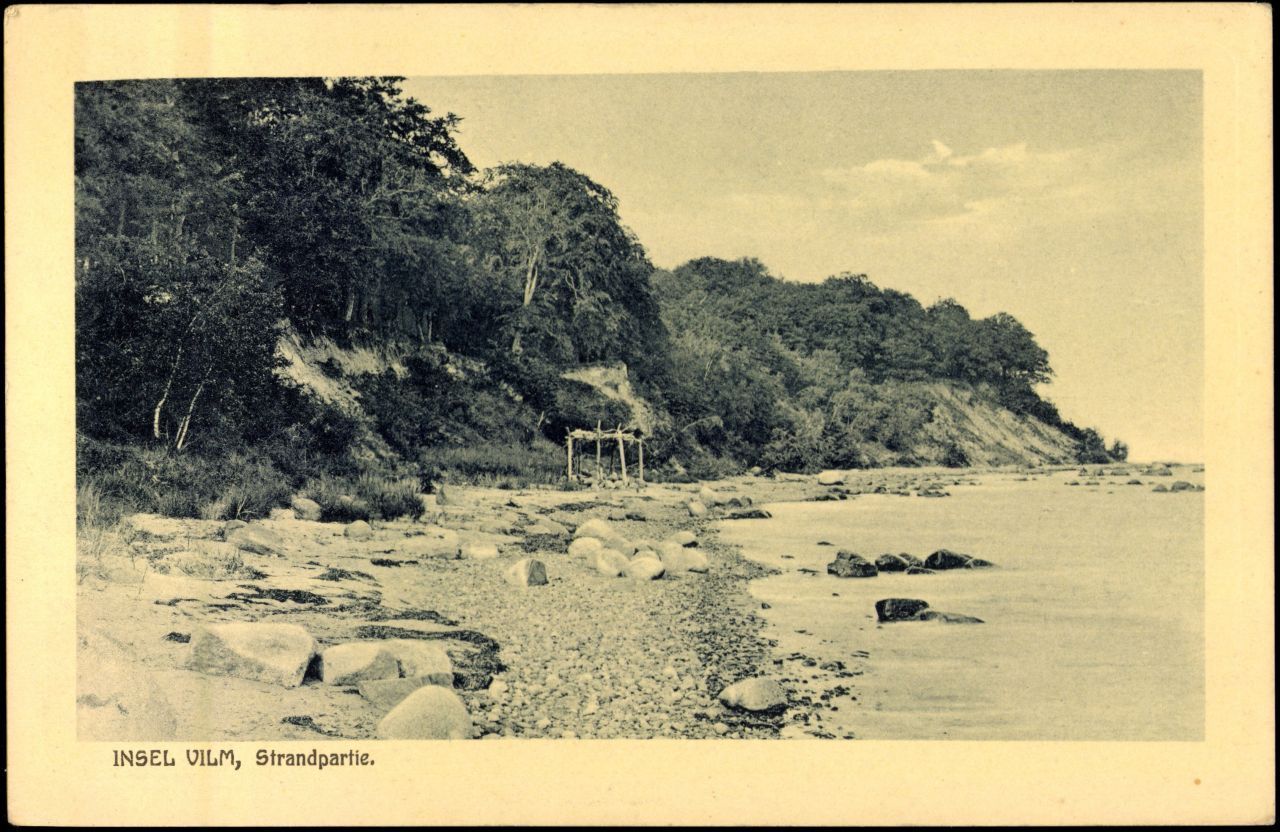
(583, 656)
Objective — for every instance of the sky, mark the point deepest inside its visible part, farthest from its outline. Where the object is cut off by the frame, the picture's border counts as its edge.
(1072, 200)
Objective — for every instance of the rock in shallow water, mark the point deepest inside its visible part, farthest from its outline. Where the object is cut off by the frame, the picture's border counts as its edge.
(274, 653)
(947, 559)
(900, 609)
(851, 565)
(896, 563)
(428, 713)
(756, 694)
(948, 617)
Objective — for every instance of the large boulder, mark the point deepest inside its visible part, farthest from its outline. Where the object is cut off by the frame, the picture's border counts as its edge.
(900, 609)
(305, 509)
(947, 559)
(677, 558)
(116, 699)
(277, 654)
(851, 565)
(526, 572)
(708, 497)
(597, 528)
(357, 661)
(645, 568)
(1181, 485)
(756, 694)
(610, 562)
(256, 539)
(552, 527)
(697, 508)
(428, 713)
(587, 548)
(831, 478)
(358, 530)
(682, 538)
(421, 660)
(896, 563)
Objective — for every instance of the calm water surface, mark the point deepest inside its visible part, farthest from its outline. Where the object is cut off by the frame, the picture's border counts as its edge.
(1094, 621)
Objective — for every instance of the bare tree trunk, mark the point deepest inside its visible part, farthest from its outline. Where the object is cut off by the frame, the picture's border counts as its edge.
(531, 279)
(186, 420)
(168, 385)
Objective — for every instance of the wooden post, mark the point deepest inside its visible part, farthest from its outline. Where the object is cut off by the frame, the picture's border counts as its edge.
(597, 452)
(640, 450)
(568, 441)
(622, 454)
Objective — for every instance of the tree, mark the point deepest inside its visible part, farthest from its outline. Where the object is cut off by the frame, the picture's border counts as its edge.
(570, 276)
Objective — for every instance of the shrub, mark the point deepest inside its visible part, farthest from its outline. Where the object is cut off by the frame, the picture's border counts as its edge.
(337, 499)
(954, 456)
(389, 498)
(489, 464)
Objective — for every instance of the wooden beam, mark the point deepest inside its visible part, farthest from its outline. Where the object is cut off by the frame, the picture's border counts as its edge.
(622, 455)
(640, 450)
(568, 440)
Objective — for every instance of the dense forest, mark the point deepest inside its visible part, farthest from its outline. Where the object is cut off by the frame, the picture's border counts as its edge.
(215, 216)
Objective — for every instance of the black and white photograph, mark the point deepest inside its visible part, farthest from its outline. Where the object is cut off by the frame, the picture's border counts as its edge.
(723, 407)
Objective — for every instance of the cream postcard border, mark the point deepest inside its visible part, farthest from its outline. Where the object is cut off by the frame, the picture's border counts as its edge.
(1228, 778)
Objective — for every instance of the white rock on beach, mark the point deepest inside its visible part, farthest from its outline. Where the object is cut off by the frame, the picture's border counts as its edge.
(831, 478)
(697, 509)
(677, 558)
(357, 661)
(755, 694)
(645, 569)
(115, 698)
(526, 572)
(611, 563)
(305, 509)
(256, 539)
(595, 527)
(586, 548)
(274, 653)
(359, 530)
(420, 660)
(682, 538)
(428, 713)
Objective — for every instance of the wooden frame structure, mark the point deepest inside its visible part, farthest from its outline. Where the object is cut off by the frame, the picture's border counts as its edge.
(601, 436)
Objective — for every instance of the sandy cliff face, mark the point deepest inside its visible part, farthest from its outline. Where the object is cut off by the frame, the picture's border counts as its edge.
(987, 433)
(961, 417)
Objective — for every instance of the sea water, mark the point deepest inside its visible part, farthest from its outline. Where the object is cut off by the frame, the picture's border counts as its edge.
(1093, 619)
